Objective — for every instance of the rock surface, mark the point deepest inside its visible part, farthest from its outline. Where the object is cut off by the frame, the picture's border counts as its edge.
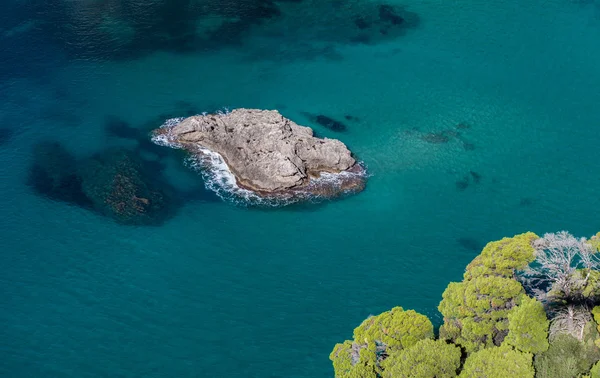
(268, 153)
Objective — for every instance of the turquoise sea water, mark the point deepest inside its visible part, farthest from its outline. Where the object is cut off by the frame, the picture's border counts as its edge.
(225, 290)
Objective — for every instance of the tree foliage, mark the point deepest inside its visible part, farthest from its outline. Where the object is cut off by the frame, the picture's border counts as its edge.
(476, 310)
(394, 329)
(378, 337)
(426, 359)
(491, 325)
(596, 315)
(346, 365)
(503, 257)
(498, 362)
(595, 372)
(566, 357)
(528, 327)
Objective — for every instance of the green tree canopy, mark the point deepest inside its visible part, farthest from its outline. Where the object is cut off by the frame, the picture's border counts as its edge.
(426, 359)
(595, 372)
(566, 357)
(475, 311)
(376, 338)
(498, 362)
(347, 363)
(396, 329)
(528, 327)
(503, 257)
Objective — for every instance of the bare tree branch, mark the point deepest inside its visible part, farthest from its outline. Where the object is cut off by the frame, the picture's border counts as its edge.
(562, 267)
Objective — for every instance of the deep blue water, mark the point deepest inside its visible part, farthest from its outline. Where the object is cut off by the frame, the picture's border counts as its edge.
(223, 290)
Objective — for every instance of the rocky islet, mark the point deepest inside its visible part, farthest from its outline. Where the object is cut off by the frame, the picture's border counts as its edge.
(268, 154)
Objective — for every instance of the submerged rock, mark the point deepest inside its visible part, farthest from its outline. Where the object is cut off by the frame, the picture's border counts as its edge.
(268, 153)
(387, 13)
(435, 138)
(463, 183)
(325, 121)
(330, 123)
(476, 177)
(119, 185)
(115, 183)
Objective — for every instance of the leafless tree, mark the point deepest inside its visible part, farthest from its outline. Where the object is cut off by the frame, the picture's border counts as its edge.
(561, 268)
(570, 319)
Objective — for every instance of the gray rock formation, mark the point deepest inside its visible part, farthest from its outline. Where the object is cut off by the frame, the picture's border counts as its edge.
(266, 152)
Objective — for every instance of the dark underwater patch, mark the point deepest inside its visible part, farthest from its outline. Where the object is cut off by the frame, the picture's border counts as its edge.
(388, 13)
(125, 188)
(471, 177)
(475, 176)
(526, 202)
(361, 23)
(117, 127)
(435, 138)
(330, 123)
(326, 122)
(54, 174)
(129, 29)
(468, 146)
(116, 183)
(6, 135)
(463, 183)
(470, 244)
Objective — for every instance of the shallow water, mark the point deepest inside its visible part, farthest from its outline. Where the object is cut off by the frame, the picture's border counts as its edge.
(219, 289)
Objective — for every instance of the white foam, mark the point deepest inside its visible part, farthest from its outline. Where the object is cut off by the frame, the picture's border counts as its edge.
(164, 139)
(219, 178)
(171, 122)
